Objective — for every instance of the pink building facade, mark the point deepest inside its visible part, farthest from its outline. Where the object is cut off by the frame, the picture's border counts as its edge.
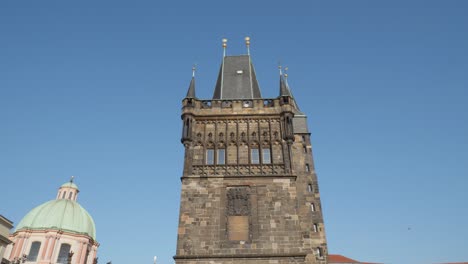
(58, 231)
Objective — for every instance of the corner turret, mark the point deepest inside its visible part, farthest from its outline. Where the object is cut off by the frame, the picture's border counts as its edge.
(191, 89)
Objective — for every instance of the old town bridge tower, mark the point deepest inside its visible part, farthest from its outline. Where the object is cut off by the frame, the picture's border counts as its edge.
(249, 188)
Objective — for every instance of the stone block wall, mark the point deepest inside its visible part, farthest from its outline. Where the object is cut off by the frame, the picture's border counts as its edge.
(241, 210)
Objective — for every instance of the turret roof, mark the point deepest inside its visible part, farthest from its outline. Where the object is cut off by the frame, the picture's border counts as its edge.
(191, 89)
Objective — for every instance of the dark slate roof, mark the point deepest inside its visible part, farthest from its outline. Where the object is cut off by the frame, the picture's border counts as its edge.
(236, 79)
(191, 89)
(284, 89)
(300, 124)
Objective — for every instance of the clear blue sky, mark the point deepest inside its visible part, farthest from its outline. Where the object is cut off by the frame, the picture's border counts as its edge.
(94, 89)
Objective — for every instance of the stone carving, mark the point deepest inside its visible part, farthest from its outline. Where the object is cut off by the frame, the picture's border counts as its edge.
(70, 256)
(238, 201)
(238, 170)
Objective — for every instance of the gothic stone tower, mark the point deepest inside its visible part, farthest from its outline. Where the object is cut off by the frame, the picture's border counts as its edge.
(249, 188)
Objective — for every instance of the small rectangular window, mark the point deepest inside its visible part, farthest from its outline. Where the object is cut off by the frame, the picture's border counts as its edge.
(315, 228)
(312, 207)
(307, 167)
(221, 156)
(310, 188)
(305, 149)
(70, 195)
(266, 156)
(319, 252)
(254, 156)
(210, 156)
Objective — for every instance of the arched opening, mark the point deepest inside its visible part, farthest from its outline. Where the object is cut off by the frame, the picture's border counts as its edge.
(34, 251)
(63, 253)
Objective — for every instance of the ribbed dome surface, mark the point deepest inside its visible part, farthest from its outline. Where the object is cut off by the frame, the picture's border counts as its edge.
(70, 185)
(62, 214)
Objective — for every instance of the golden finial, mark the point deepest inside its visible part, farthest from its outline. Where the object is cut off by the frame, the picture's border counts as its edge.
(224, 46)
(247, 43)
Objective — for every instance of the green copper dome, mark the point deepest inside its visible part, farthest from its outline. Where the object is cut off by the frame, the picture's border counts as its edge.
(70, 184)
(62, 214)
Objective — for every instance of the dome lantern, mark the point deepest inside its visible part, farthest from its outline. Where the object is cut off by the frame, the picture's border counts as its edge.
(68, 191)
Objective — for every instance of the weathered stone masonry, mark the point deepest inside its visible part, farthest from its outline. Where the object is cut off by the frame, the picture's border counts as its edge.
(249, 188)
